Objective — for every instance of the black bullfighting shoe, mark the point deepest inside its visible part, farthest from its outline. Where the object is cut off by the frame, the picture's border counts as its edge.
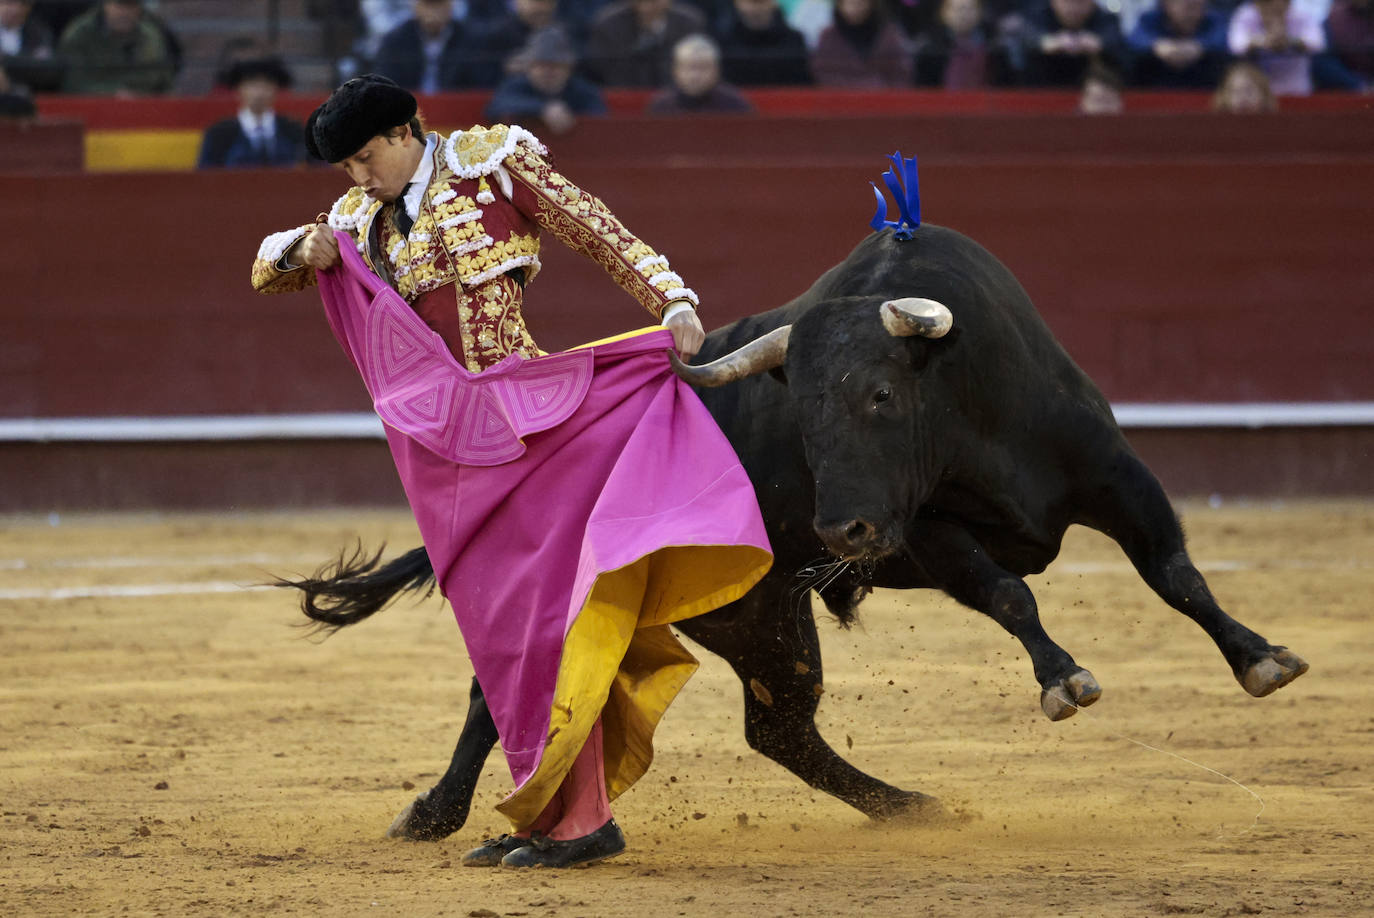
(607, 841)
(490, 852)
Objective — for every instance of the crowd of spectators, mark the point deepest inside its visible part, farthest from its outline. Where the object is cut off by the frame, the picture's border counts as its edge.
(550, 60)
(1300, 45)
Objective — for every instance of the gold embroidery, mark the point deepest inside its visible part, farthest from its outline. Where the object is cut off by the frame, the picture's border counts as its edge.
(450, 245)
(267, 279)
(582, 222)
(477, 144)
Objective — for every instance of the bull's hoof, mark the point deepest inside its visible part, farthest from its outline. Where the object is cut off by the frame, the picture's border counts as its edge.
(402, 826)
(908, 806)
(420, 821)
(1273, 672)
(1062, 700)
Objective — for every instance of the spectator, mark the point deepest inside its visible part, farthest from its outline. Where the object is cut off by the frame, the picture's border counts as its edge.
(696, 85)
(546, 89)
(631, 41)
(429, 52)
(1281, 40)
(1244, 90)
(861, 49)
(1064, 37)
(914, 17)
(114, 49)
(1350, 37)
(26, 48)
(809, 17)
(258, 136)
(380, 17)
(759, 48)
(1101, 92)
(504, 38)
(960, 51)
(1181, 44)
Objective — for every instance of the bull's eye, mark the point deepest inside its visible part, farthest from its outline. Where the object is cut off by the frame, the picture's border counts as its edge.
(881, 396)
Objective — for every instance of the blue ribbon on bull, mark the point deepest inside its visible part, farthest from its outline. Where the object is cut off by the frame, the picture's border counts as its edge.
(906, 190)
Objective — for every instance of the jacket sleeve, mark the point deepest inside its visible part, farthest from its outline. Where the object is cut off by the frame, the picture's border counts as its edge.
(270, 273)
(583, 223)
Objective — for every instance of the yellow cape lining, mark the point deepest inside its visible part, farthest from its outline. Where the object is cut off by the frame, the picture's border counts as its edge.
(621, 662)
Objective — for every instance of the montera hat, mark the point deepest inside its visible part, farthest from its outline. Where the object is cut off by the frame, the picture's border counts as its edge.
(354, 113)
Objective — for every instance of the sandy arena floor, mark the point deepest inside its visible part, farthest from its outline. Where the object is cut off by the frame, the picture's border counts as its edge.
(170, 745)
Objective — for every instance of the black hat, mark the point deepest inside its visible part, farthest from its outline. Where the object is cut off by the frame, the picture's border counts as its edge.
(354, 113)
(270, 68)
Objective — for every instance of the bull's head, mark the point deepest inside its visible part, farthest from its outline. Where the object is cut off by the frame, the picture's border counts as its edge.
(855, 384)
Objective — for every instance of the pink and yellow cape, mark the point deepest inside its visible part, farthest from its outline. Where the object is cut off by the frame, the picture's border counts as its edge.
(573, 506)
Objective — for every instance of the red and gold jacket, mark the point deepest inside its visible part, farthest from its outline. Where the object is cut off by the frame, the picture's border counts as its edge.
(491, 193)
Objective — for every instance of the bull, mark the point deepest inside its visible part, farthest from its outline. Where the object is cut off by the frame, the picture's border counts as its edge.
(911, 419)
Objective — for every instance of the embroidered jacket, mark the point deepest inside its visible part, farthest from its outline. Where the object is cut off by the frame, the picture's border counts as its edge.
(491, 193)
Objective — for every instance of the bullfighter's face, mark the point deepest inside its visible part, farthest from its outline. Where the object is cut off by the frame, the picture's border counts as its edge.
(385, 164)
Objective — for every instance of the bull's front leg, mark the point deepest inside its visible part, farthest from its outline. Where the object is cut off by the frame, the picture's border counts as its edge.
(1134, 511)
(953, 561)
(772, 645)
(442, 810)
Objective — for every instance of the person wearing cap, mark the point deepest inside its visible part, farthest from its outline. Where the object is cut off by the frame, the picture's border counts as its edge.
(572, 505)
(257, 137)
(544, 86)
(114, 49)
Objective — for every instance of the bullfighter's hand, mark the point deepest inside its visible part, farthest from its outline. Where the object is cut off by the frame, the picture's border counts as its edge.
(317, 248)
(688, 334)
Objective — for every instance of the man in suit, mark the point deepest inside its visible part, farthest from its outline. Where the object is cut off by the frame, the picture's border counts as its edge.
(631, 41)
(429, 52)
(257, 137)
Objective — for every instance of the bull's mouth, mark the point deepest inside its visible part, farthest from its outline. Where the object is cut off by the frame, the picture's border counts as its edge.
(859, 540)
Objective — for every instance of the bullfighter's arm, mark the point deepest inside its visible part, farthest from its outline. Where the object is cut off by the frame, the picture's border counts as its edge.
(586, 225)
(272, 272)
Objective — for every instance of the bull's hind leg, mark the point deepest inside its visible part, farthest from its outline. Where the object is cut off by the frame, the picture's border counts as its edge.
(770, 640)
(1136, 513)
(442, 810)
(951, 559)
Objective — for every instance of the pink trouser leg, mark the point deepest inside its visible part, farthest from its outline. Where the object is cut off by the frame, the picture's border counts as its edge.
(580, 806)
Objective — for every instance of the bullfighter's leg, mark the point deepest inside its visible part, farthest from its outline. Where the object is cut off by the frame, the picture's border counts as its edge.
(1135, 512)
(954, 561)
(778, 659)
(442, 810)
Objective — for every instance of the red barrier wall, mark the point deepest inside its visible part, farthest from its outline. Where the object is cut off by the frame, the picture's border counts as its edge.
(1229, 266)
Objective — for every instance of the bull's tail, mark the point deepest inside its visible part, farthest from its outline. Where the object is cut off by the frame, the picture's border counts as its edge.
(349, 589)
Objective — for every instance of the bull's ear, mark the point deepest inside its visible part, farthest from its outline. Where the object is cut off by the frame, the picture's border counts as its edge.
(779, 374)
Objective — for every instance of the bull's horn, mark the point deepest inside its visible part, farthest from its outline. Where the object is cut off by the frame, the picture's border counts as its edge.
(914, 315)
(756, 357)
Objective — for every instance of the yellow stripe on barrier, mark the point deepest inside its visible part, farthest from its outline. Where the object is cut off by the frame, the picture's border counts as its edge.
(133, 151)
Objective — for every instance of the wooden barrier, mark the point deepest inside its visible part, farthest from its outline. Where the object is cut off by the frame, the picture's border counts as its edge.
(1212, 271)
(163, 133)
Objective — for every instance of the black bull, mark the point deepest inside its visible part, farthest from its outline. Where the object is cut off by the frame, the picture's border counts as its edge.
(950, 461)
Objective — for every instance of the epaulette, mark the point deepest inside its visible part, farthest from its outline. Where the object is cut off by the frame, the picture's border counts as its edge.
(478, 151)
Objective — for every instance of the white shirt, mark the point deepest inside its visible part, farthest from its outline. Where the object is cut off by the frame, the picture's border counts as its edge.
(259, 129)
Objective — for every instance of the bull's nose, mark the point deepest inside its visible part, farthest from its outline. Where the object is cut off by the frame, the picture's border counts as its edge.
(849, 539)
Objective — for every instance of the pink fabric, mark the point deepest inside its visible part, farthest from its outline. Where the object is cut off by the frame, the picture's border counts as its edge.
(420, 390)
(637, 465)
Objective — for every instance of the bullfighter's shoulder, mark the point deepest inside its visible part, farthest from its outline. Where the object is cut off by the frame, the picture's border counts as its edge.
(479, 151)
